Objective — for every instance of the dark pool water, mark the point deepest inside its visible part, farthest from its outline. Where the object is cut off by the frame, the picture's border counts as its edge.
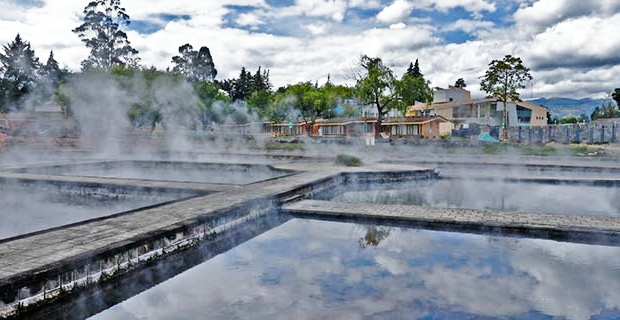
(498, 195)
(305, 269)
(167, 170)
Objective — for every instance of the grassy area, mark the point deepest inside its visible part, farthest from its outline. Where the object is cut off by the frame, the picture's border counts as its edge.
(283, 146)
(493, 148)
(347, 160)
(538, 150)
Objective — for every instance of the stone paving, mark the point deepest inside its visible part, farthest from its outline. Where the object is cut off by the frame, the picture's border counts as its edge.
(554, 223)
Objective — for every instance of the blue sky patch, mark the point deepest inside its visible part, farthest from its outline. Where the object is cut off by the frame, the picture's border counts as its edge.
(29, 3)
(456, 36)
(280, 3)
(155, 22)
(145, 27)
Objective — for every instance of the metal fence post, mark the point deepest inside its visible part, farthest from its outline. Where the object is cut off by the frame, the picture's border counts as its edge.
(540, 134)
(577, 134)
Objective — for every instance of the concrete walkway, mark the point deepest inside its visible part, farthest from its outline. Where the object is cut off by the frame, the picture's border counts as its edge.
(553, 225)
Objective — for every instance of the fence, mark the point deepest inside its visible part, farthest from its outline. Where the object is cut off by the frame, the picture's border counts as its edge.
(589, 133)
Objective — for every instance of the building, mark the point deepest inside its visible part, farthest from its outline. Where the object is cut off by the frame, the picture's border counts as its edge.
(421, 127)
(457, 105)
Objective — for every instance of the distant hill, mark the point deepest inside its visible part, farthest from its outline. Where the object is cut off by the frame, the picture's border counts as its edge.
(567, 107)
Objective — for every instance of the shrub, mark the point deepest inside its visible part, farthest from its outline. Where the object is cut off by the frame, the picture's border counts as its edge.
(347, 160)
(272, 145)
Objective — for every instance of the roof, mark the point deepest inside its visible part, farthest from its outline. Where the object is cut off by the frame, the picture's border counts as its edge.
(452, 104)
(400, 121)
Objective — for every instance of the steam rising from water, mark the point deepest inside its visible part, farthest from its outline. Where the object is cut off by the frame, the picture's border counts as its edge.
(35, 207)
(492, 194)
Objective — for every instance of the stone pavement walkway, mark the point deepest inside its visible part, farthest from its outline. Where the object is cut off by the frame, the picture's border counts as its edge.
(554, 224)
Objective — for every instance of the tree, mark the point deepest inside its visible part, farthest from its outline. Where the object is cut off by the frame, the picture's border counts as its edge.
(373, 236)
(242, 86)
(616, 96)
(260, 81)
(259, 102)
(209, 94)
(102, 34)
(197, 66)
(605, 111)
(414, 70)
(51, 77)
(51, 70)
(280, 109)
(460, 83)
(415, 89)
(377, 86)
(502, 80)
(312, 102)
(19, 69)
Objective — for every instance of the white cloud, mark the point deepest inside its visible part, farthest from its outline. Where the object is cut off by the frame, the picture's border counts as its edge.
(332, 9)
(317, 29)
(469, 25)
(469, 5)
(395, 12)
(249, 19)
(398, 26)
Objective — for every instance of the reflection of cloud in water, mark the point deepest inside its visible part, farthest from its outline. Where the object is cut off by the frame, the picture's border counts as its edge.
(309, 269)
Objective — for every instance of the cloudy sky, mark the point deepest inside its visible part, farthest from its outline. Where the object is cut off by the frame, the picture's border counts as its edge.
(571, 46)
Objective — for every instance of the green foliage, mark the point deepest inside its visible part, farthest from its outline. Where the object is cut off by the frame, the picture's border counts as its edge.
(414, 89)
(460, 83)
(605, 112)
(272, 145)
(197, 66)
(538, 150)
(377, 86)
(101, 33)
(414, 70)
(239, 117)
(312, 102)
(569, 120)
(243, 87)
(61, 98)
(580, 150)
(280, 108)
(259, 102)
(616, 96)
(348, 160)
(19, 69)
(503, 79)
